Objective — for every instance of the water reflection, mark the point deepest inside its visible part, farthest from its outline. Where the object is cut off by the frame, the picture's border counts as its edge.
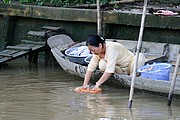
(115, 107)
(40, 92)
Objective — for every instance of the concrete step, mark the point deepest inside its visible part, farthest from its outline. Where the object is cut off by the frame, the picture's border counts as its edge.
(52, 28)
(37, 33)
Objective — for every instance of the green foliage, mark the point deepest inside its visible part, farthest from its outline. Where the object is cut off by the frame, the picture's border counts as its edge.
(58, 2)
(26, 1)
(67, 3)
(64, 3)
(7, 1)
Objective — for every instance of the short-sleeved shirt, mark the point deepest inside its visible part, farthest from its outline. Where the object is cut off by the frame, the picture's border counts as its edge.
(116, 55)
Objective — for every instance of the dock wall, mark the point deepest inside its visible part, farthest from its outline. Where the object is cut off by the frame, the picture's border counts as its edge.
(17, 20)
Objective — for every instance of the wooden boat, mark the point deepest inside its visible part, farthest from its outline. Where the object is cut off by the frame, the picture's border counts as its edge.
(59, 43)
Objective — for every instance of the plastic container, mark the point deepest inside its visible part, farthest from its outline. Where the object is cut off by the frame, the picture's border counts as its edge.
(78, 54)
(156, 71)
(88, 58)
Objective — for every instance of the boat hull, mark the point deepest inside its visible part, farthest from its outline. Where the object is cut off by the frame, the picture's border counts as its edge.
(117, 80)
(60, 43)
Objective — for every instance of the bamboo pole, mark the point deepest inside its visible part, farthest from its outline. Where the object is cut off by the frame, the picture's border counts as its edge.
(98, 17)
(170, 96)
(137, 55)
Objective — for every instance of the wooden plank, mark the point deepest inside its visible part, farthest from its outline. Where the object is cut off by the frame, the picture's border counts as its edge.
(32, 42)
(14, 56)
(161, 58)
(30, 47)
(9, 51)
(26, 45)
(5, 55)
(13, 52)
(37, 33)
(18, 48)
(37, 47)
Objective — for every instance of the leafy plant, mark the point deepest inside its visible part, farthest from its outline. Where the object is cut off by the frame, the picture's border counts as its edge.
(7, 1)
(26, 1)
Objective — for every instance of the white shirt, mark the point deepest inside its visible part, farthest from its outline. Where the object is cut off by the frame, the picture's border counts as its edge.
(116, 55)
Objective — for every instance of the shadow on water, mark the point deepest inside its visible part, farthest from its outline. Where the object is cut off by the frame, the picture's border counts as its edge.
(39, 92)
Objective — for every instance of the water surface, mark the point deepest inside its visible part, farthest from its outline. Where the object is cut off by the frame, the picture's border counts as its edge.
(39, 92)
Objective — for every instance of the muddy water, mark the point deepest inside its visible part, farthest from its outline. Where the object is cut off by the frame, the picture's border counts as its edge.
(31, 92)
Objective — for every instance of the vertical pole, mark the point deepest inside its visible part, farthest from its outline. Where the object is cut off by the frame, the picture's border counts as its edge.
(8, 30)
(98, 18)
(170, 96)
(137, 55)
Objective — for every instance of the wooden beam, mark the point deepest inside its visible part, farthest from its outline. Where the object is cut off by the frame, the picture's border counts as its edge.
(6, 55)
(18, 48)
(32, 42)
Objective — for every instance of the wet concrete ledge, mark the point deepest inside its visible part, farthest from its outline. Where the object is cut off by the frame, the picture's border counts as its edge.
(51, 13)
(88, 15)
(134, 18)
(81, 22)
